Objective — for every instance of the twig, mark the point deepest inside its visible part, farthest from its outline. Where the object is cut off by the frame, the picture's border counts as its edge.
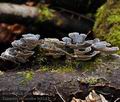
(59, 94)
(65, 52)
(75, 13)
(18, 98)
(26, 94)
(117, 99)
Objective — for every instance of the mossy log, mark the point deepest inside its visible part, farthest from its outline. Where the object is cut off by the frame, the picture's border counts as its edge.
(41, 14)
(107, 25)
(105, 81)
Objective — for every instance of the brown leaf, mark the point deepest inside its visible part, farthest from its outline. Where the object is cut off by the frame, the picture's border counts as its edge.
(17, 28)
(92, 97)
(9, 32)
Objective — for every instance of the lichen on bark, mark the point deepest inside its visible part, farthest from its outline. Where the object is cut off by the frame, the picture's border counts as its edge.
(107, 25)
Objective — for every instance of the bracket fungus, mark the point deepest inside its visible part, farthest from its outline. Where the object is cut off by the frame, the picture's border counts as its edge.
(75, 46)
(77, 38)
(21, 49)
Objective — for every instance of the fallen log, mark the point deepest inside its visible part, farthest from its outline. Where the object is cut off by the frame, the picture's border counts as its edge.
(43, 13)
(18, 10)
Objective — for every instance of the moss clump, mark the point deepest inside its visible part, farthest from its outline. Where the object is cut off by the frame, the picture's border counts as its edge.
(107, 25)
(27, 76)
(114, 33)
(92, 80)
(58, 68)
(45, 13)
(67, 67)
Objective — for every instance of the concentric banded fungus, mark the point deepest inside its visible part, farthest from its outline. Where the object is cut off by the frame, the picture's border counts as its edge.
(67, 40)
(21, 49)
(50, 47)
(77, 38)
(81, 49)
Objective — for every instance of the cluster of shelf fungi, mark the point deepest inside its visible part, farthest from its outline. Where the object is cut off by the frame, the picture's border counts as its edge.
(75, 46)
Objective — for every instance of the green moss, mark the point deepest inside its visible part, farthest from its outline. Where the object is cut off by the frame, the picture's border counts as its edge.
(91, 80)
(27, 76)
(113, 19)
(63, 69)
(118, 52)
(99, 15)
(100, 18)
(107, 25)
(114, 35)
(88, 66)
(57, 68)
(45, 13)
